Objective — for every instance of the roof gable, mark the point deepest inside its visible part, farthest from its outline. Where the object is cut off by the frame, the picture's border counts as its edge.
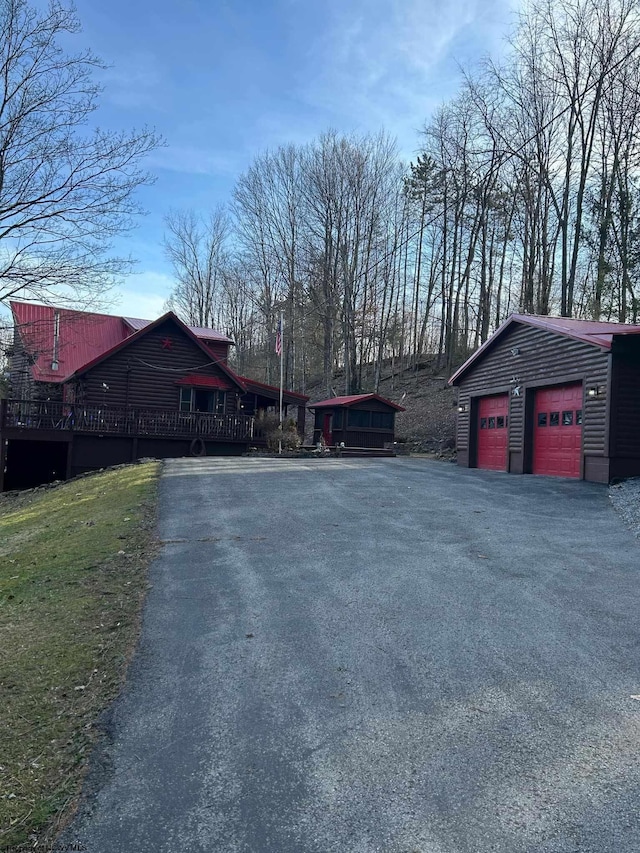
(145, 330)
(591, 332)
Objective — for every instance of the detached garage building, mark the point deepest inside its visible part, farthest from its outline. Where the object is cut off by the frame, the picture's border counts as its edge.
(554, 396)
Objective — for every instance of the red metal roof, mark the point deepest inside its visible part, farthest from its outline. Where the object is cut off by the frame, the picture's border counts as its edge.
(209, 334)
(354, 398)
(253, 383)
(81, 337)
(589, 331)
(596, 333)
(204, 334)
(196, 381)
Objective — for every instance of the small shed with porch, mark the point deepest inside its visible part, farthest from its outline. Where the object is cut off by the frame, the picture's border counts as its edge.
(358, 420)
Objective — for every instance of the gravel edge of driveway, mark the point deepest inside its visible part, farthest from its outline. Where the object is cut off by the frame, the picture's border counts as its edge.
(625, 498)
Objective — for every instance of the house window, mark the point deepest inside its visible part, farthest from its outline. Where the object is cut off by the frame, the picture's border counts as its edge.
(185, 399)
(202, 400)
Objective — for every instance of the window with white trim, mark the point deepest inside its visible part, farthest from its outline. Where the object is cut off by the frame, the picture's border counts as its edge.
(202, 400)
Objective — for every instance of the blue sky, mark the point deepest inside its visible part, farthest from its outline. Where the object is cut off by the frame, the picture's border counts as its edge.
(223, 81)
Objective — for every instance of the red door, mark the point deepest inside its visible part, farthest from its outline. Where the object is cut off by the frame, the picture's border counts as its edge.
(493, 424)
(326, 428)
(557, 431)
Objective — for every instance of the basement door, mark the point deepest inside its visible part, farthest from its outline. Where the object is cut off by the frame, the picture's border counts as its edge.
(493, 423)
(557, 431)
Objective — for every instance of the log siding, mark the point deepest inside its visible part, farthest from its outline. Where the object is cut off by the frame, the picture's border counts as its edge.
(624, 440)
(542, 359)
(144, 373)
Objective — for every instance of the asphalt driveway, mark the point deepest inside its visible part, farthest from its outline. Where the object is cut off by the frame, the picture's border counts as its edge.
(377, 655)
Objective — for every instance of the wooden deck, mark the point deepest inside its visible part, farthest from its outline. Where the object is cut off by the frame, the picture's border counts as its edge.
(50, 417)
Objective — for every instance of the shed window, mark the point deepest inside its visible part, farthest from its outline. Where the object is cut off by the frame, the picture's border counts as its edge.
(382, 420)
(337, 418)
(358, 418)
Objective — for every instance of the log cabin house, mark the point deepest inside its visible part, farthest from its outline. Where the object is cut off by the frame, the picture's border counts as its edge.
(89, 390)
(554, 396)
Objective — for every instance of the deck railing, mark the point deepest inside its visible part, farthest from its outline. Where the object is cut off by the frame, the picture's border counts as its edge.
(46, 415)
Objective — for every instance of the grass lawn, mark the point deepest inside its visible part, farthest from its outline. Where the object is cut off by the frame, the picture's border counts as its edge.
(73, 565)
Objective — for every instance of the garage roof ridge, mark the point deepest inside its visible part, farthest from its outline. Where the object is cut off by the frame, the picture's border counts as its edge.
(597, 333)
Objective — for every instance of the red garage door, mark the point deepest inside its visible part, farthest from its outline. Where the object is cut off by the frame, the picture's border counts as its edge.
(557, 431)
(493, 420)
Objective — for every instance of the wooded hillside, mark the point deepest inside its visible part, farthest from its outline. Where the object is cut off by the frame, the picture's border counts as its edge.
(524, 198)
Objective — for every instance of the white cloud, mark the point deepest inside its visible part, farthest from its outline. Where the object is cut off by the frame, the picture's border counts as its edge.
(392, 62)
(143, 295)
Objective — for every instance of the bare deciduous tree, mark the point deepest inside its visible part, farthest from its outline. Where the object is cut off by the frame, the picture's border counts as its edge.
(65, 191)
(196, 247)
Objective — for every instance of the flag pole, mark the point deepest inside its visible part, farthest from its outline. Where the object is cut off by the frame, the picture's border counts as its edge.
(281, 375)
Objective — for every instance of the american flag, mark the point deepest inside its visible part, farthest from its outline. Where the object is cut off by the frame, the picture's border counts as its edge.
(279, 338)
